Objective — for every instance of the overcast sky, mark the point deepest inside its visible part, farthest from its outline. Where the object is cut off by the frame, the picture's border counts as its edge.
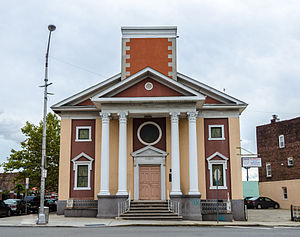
(249, 47)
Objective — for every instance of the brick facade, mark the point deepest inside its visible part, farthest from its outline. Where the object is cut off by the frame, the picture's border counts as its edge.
(268, 149)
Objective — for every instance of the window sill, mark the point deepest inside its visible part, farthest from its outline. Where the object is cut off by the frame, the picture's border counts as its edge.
(82, 189)
(81, 140)
(215, 139)
(220, 187)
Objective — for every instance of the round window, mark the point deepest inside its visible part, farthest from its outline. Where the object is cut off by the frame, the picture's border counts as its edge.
(148, 86)
(149, 133)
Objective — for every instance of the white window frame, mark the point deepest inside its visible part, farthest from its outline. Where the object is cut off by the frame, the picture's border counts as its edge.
(77, 134)
(281, 141)
(268, 170)
(139, 133)
(77, 163)
(285, 193)
(216, 126)
(290, 161)
(222, 162)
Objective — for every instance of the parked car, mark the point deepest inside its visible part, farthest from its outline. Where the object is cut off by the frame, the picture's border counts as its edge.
(4, 209)
(262, 202)
(17, 206)
(52, 204)
(33, 203)
(246, 199)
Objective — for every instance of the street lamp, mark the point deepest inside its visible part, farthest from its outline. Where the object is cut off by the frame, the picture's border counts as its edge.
(42, 217)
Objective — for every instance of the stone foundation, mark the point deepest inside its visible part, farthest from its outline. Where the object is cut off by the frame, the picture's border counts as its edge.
(190, 206)
(108, 205)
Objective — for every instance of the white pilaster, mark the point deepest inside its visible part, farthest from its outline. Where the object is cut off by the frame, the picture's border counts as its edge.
(122, 185)
(175, 154)
(193, 164)
(104, 182)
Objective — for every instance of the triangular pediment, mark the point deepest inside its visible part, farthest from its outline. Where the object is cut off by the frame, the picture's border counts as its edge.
(217, 156)
(149, 151)
(136, 84)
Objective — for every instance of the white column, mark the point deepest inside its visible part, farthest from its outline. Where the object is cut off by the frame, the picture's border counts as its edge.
(122, 186)
(104, 182)
(175, 154)
(193, 164)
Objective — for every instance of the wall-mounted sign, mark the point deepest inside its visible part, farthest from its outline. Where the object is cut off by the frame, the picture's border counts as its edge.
(251, 162)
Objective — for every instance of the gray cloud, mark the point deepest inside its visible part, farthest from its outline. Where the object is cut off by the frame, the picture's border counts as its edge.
(249, 47)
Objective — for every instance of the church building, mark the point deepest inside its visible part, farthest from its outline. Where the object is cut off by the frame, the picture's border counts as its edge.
(149, 133)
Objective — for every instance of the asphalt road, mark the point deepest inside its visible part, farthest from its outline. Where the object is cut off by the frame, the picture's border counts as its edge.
(148, 231)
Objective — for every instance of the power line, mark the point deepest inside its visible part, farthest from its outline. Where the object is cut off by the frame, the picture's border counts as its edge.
(79, 67)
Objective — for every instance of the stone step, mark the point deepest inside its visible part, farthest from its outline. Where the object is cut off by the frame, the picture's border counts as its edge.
(166, 218)
(149, 214)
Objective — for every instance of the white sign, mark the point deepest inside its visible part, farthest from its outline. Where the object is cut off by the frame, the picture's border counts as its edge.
(251, 162)
(45, 174)
(27, 183)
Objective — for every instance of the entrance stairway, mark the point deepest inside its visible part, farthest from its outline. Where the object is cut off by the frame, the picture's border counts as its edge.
(149, 210)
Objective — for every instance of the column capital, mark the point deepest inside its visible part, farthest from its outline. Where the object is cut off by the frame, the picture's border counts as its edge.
(174, 116)
(105, 116)
(123, 117)
(192, 116)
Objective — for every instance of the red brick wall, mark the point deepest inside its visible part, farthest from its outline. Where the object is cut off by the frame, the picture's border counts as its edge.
(138, 90)
(76, 149)
(149, 52)
(268, 149)
(221, 146)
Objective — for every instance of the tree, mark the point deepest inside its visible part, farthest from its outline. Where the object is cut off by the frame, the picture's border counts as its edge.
(28, 160)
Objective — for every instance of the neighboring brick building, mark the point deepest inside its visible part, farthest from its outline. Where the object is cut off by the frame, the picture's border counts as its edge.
(278, 144)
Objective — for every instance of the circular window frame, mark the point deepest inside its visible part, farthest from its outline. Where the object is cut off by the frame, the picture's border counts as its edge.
(148, 86)
(139, 131)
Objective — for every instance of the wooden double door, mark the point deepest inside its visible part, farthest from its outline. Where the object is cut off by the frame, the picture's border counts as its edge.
(149, 182)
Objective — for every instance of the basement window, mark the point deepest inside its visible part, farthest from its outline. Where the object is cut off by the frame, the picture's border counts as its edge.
(284, 191)
(290, 161)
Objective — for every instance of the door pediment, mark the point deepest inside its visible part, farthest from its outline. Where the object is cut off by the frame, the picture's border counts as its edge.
(149, 151)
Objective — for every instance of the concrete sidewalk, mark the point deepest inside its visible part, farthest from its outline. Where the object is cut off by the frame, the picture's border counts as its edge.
(271, 218)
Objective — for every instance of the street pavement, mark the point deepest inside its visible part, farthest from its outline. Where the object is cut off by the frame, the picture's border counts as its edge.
(150, 231)
(267, 218)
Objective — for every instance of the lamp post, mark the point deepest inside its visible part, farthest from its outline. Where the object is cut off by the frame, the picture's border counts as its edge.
(42, 217)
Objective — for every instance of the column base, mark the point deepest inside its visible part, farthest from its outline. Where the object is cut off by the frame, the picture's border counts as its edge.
(176, 193)
(103, 193)
(122, 193)
(108, 205)
(194, 193)
(190, 206)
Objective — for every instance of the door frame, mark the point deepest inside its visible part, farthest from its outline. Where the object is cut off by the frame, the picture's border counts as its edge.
(150, 156)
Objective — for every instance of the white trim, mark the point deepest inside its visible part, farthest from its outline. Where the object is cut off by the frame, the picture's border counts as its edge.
(149, 32)
(79, 163)
(147, 71)
(77, 139)
(210, 89)
(149, 156)
(139, 135)
(281, 141)
(219, 113)
(217, 162)
(216, 126)
(86, 92)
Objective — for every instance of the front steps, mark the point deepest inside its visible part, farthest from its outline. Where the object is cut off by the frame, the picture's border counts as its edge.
(149, 210)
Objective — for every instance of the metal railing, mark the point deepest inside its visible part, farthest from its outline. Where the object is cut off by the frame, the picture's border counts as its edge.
(174, 206)
(295, 213)
(211, 206)
(124, 206)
